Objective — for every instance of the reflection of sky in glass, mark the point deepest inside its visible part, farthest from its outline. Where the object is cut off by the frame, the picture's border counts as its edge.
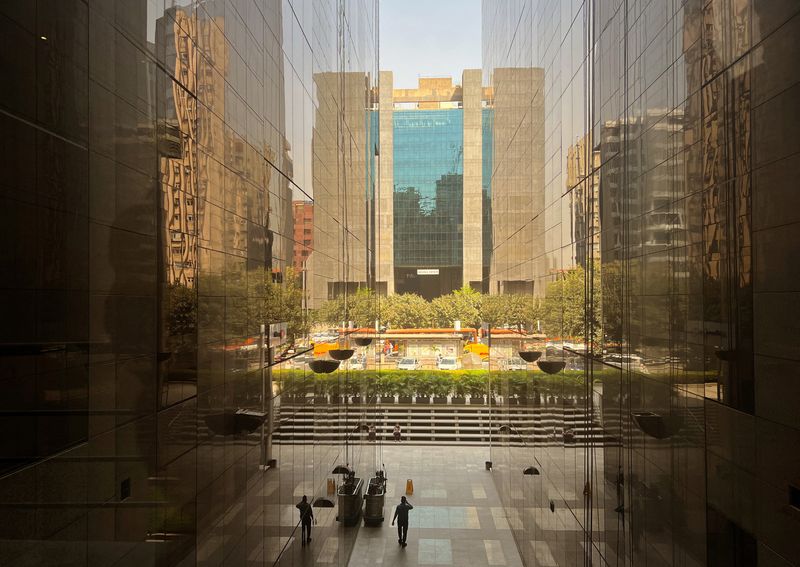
(428, 144)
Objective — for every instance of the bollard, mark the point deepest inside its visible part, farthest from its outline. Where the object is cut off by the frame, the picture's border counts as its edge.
(409, 487)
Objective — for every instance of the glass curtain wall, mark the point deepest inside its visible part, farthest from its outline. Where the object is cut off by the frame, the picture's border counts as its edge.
(153, 154)
(654, 187)
(428, 197)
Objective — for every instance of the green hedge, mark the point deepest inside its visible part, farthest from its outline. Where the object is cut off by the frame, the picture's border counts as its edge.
(457, 382)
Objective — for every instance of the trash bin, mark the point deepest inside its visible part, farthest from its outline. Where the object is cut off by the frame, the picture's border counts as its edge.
(374, 499)
(350, 495)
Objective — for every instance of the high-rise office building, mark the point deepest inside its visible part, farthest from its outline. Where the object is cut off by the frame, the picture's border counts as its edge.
(345, 176)
(151, 157)
(668, 145)
(430, 207)
(625, 169)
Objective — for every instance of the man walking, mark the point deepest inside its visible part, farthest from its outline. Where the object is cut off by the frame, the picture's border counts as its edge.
(306, 517)
(401, 515)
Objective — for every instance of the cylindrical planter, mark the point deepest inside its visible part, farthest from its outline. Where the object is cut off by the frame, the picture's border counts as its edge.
(458, 401)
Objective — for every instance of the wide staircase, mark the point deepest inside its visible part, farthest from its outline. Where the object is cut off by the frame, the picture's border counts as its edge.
(433, 424)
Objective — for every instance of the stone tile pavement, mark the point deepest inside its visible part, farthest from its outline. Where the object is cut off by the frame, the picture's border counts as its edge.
(457, 519)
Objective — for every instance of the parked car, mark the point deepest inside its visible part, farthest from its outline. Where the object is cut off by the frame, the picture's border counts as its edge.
(409, 364)
(514, 363)
(448, 363)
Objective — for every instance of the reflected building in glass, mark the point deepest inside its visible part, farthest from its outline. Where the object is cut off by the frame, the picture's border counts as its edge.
(152, 153)
(345, 175)
(661, 164)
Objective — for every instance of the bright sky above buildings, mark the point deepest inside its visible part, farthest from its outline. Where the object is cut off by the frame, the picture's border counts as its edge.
(429, 38)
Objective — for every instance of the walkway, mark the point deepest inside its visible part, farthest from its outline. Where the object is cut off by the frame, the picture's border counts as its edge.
(457, 519)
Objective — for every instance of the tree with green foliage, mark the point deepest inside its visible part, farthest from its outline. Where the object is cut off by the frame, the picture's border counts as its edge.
(273, 301)
(462, 305)
(405, 311)
(564, 309)
(330, 312)
(181, 309)
(362, 308)
(511, 310)
(563, 306)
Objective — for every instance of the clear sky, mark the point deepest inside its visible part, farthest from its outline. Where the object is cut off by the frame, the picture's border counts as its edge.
(429, 38)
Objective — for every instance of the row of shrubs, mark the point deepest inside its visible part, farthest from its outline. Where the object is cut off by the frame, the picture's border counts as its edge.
(436, 383)
(442, 383)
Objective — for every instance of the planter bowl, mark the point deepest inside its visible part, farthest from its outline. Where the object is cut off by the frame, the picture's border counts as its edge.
(551, 366)
(341, 353)
(530, 355)
(323, 366)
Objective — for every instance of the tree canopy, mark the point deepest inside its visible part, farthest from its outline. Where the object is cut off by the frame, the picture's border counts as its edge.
(462, 305)
(405, 311)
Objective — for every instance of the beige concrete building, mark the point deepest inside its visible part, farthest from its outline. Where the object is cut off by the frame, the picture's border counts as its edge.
(518, 263)
(343, 153)
(430, 203)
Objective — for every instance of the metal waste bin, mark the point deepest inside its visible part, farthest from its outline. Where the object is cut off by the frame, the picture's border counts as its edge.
(375, 499)
(350, 495)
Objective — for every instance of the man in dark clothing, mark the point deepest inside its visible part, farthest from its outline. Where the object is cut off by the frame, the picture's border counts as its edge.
(401, 515)
(306, 517)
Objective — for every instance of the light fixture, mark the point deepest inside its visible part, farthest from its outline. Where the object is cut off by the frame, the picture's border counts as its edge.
(341, 469)
(652, 424)
(341, 353)
(551, 366)
(323, 503)
(323, 366)
(363, 341)
(530, 355)
(43, 37)
(531, 471)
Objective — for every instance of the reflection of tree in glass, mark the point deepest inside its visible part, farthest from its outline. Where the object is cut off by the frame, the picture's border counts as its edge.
(182, 310)
(511, 310)
(565, 312)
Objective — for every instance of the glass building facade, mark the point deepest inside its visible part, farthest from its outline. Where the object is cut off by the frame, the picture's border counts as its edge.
(428, 193)
(151, 153)
(651, 189)
(430, 204)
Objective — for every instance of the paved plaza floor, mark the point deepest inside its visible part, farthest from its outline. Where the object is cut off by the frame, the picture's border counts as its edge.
(457, 518)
